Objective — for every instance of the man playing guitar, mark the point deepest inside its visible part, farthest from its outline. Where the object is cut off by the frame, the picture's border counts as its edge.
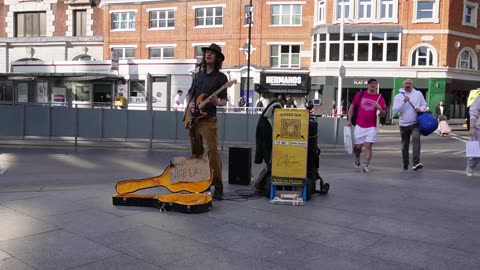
(203, 130)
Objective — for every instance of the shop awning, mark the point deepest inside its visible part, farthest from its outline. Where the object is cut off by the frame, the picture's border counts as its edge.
(59, 76)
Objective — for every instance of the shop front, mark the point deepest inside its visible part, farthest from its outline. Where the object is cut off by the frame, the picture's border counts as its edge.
(58, 89)
(272, 85)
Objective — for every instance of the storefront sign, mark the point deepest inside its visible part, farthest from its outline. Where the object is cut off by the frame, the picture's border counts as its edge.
(282, 82)
(114, 56)
(58, 94)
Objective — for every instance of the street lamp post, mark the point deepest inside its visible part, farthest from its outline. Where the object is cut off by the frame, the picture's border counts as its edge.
(341, 74)
(249, 16)
(341, 69)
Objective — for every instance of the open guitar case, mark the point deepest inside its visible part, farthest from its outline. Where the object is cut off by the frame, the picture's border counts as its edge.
(185, 197)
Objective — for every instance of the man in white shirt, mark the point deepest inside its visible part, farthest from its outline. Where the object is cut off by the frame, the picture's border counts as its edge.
(179, 98)
(407, 104)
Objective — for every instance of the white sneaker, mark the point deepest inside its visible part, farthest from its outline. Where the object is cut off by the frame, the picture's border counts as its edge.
(417, 166)
(469, 171)
(365, 168)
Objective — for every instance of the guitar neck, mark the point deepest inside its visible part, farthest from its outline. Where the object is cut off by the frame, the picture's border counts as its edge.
(203, 103)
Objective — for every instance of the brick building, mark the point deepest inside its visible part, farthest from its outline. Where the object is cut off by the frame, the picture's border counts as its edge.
(436, 43)
(150, 36)
(295, 47)
(49, 51)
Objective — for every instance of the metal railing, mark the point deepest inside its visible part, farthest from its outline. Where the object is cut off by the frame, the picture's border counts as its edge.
(106, 126)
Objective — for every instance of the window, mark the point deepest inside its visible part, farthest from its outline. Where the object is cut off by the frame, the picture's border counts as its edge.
(286, 15)
(83, 57)
(423, 56)
(209, 16)
(137, 92)
(123, 20)
(321, 11)
(82, 93)
(30, 24)
(248, 16)
(358, 47)
(365, 10)
(285, 56)
(161, 52)
(162, 18)
(467, 59)
(386, 9)
(198, 52)
(346, 6)
(426, 11)
(470, 14)
(125, 53)
(79, 23)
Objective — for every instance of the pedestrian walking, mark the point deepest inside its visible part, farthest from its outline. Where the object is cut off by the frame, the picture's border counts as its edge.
(474, 133)
(403, 105)
(441, 110)
(365, 132)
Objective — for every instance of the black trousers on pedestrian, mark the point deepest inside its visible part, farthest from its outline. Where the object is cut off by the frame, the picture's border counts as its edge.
(410, 132)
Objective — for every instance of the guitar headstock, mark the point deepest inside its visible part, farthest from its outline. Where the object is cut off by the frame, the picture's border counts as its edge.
(230, 83)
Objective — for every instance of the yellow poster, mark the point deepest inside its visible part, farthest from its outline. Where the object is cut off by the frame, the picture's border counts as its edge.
(289, 153)
(471, 97)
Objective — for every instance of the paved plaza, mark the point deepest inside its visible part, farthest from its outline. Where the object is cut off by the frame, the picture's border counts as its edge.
(385, 219)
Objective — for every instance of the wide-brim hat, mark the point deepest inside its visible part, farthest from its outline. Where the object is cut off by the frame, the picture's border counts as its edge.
(217, 49)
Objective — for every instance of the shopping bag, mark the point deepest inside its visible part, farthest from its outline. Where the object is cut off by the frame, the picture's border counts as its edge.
(347, 139)
(472, 149)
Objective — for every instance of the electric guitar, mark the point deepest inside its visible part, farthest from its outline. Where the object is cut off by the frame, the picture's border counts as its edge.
(189, 118)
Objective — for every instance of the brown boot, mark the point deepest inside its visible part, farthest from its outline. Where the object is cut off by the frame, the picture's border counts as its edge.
(218, 193)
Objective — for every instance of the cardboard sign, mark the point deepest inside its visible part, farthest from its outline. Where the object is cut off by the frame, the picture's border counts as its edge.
(290, 141)
(190, 169)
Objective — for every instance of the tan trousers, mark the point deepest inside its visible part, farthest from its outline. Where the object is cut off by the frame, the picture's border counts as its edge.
(203, 137)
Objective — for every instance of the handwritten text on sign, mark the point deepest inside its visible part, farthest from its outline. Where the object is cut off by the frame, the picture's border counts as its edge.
(190, 169)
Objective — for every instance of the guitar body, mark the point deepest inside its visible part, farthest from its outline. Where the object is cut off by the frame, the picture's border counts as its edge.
(189, 118)
(200, 113)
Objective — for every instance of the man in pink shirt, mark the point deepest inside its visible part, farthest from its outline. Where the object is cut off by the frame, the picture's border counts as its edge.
(365, 133)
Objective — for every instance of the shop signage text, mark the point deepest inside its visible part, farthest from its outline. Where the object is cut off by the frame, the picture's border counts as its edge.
(284, 82)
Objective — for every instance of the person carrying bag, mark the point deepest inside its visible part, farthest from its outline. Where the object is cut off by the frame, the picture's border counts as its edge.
(473, 146)
(407, 104)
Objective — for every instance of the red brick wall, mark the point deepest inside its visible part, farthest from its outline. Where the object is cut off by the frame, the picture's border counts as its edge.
(59, 11)
(97, 21)
(233, 33)
(3, 13)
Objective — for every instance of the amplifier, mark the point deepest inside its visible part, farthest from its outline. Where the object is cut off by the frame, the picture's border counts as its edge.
(239, 166)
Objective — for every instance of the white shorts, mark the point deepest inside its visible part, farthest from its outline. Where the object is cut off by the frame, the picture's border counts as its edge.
(363, 135)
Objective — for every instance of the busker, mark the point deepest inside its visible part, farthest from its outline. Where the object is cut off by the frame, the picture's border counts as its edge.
(365, 132)
(203, 133)
(408, 121)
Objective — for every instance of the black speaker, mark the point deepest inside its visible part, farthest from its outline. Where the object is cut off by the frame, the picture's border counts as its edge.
(239, 166)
